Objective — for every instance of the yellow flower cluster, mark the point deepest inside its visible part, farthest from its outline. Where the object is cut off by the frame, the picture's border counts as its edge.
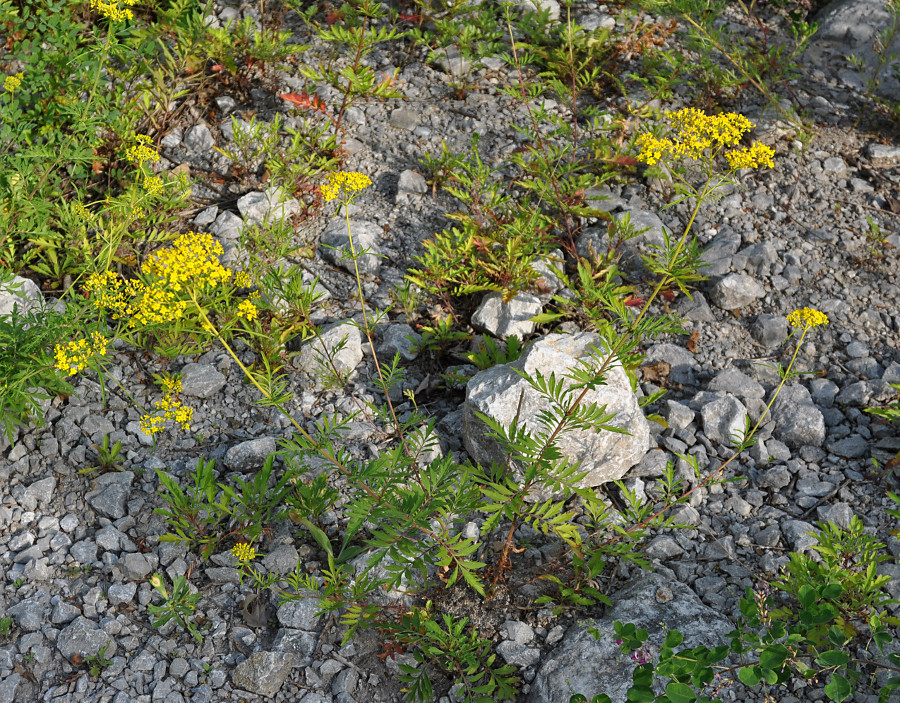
(247, 310)
(72, 357)
(344, 184)
(153, 184)
(12, 83)
(243, 552)
(114, 10)
(171, 408)
(696, 135)
(140, 303)
(756, 156)
(804, 318)
(81, 212)
(242, 279)
(142, 151)
(192, 259)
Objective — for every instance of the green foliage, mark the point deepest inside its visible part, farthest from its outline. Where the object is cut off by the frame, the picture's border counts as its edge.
(891, 412)
(179, 605)
(454, 648)
(6, 625)
(491, 353)
(108, 458)
(97, 662)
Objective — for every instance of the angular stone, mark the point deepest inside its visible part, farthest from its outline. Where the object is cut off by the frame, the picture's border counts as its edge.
(736, 290)
(411, 182)
(300, 614)
(797, 534)
(583, 663)
(403, 118)
(682, 363)
(135, 566)
(30, 613)
(201, 380)
(111, 493)
(853, 447)
(398, 337)
(21, 294)
(733, 381)
(249, 455)
(504, 320)
(85, 639)
(724, 420)
(883, 154)
(798, 422)
(550, 6)
(770, 330)
(273, 204)
(366, 237)
(227, 226)
(199, 139)
(313, 357)
(40, 492)
(518, 654)
(605, 456)
(263, 673)
(121, 593)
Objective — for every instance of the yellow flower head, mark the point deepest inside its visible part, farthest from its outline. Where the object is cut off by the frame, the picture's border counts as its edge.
(153, 184)
(696, 135)
(106, 292)
(247, 310)
(804, 318)
(81, 212)
(142, 151)
(73, 357)
(243, 552)
(191, 260)
(344, 185)
(12, 83)
(114, 10)
(242, 279)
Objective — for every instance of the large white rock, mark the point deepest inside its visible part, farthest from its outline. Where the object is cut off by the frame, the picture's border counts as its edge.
(606, 456)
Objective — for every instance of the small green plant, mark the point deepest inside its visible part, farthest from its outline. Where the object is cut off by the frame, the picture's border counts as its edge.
(438, 338)
(452, 646)
(490, 353)
(179, 606)
(5, 626)
(97, 662)
(18, 583)
(108, 459)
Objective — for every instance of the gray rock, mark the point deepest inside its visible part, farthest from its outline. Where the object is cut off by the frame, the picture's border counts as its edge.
(677, 415)
(695, 308)
(8, 688)
(770, 330)
(300, 614)
(839, 513)
(403, 118)
(85, 639)
(724, 420)
(399, 337)
(300, 643)
(111, 493)
(366, 237)
(550, 6)
(504, 320)
(518, 654)
(273, 204)
(776, 477)
(663, 547)
(683, 364)
(853, 447)
(411, 182)
(605, 456)
(823, 391)
(736, 290)
(883, 154)
(603, 199)
(452, 62)
(733, 381)
(21, 294)
(648, 224)
(313, 355)
(39, 493)
(249, 455)
(263, 673)
(120, 593)
(519, 632)
(798, 422)
(207, 216)
(30, 613)
(201, 380)
(834, 165)
(581, 663)
(199, 139)
(850, 28)
(282, 559)
(227, 226)
(135, 566)
(84, 552)
(717, 256)
(797, 534)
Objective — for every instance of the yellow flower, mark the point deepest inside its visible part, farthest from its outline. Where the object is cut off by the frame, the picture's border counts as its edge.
(344, 185)
(12, 83)
(151, 424)
(106, 292)
(141, 152)
(247, 310)
(243, 552)
(114, 10)
(804, 318)
(696, 135)
(153, 184)
(81, 212)
(192, 259)
(73, 357)
(242, 279)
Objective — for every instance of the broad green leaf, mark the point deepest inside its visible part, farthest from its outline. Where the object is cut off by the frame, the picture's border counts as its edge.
(837, 688)
(680, 693)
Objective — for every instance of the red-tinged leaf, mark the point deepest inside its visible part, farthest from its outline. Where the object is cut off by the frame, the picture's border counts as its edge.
(693, 341)
(217, 68)
(633, 301)
(304, 100)
(667, 295)
(410, 18)
(333, 17)
(623, 160)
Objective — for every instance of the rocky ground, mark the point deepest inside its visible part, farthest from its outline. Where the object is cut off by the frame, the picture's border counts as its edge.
(76, 551)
